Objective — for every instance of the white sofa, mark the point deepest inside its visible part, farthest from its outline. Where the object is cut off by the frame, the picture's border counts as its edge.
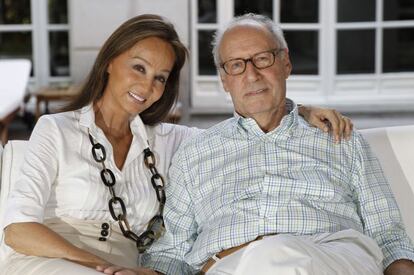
(394, 147)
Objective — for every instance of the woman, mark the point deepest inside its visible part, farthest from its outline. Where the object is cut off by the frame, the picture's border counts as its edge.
(84, 196)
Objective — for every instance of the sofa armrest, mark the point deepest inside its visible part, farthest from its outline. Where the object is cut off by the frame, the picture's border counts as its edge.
(11, 161)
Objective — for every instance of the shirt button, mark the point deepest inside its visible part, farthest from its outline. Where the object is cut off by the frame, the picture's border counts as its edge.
(102, 239)
(105, 226)
(104, 233)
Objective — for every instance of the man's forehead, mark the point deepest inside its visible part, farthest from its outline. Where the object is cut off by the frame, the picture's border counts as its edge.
(245, 26)
(251, 37)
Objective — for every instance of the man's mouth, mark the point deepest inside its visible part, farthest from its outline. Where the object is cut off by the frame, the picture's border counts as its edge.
(137, 97)
(255, 92)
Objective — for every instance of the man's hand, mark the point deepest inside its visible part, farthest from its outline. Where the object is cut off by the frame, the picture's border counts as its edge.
(119, 270)
(325, 119)
(400, 267)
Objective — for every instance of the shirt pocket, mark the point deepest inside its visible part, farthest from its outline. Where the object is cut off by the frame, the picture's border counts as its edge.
(319, 184)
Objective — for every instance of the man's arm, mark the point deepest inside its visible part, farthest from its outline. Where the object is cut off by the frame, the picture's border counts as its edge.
(378, 208)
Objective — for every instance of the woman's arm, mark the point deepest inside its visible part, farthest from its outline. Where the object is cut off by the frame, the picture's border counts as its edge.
(325, 119)
(35, 239)
(119, 270)
(25, 207)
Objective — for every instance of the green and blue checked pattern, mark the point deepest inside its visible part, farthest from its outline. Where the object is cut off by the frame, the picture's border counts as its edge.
(233, 183)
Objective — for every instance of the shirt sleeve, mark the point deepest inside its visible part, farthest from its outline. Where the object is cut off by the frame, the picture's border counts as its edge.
(377, 206)
(176, 135)
(184, 133)
(30, 192)
(167, 255)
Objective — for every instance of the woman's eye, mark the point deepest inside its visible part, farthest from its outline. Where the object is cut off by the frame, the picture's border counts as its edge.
(139, 68)
(161, 79)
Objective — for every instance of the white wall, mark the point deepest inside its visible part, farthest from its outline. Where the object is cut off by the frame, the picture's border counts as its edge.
(92, 21)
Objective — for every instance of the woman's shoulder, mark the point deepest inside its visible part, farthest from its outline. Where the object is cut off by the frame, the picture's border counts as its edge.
(60, 120)
(58, 117)
(173, 130)
(169, 137)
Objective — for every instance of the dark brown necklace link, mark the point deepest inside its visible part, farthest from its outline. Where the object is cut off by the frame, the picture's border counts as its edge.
(155, 226)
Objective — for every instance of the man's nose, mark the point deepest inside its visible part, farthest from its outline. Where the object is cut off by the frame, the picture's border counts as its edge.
(252, 73)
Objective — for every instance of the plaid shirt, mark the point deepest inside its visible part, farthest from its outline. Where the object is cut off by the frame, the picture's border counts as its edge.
(233, 183)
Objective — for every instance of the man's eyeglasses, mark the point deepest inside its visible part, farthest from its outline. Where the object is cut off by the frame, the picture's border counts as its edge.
(260, 61)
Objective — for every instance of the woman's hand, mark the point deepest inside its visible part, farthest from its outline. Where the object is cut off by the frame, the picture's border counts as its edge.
(119, 270)
(325, 119)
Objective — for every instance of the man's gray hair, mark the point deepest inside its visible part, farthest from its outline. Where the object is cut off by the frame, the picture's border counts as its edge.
(265, 21)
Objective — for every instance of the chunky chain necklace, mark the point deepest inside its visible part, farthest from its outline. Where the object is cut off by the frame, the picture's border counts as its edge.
(155, 226)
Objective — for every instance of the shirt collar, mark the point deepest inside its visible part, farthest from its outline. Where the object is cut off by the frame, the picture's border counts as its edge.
(138, 128)
(248, 126)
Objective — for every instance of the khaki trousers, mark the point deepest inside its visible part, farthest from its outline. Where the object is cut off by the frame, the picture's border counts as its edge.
(83, 234)
(346, 252)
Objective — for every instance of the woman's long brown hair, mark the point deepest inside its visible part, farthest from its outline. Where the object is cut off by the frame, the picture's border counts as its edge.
(121, 40)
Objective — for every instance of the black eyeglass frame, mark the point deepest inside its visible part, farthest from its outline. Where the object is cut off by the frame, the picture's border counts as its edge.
(274, 53)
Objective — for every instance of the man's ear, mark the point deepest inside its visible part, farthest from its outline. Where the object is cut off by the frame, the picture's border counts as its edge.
(287, 65)
(223, 81)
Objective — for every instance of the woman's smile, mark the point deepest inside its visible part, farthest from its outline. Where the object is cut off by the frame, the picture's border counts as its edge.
(136, 97)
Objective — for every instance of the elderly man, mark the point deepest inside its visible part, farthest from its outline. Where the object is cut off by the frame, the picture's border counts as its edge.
(265, 193)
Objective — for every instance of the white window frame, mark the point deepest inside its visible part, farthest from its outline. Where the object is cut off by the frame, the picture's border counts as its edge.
(40, 29)
(351, 92)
